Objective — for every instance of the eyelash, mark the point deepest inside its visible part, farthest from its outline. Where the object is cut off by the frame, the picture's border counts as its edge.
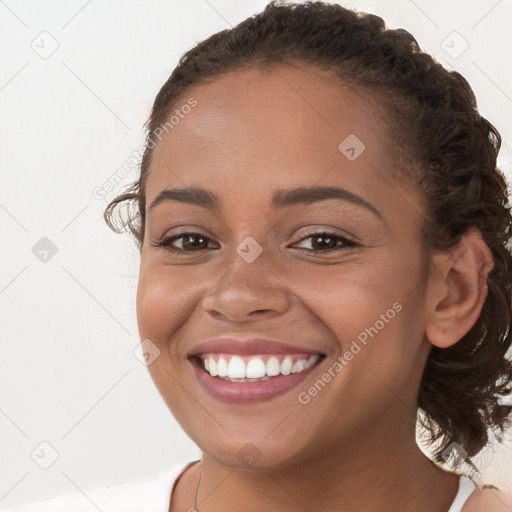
(165, 242)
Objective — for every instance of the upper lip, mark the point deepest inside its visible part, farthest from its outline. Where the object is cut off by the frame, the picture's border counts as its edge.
(251, 346)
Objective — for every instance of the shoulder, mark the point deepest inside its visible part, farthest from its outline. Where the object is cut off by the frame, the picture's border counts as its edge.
(489, 500)
(150, 493)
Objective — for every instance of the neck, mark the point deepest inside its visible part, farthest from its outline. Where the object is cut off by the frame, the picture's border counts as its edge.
(380, 470)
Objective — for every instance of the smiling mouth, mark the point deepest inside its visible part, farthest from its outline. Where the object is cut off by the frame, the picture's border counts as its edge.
(254, 368)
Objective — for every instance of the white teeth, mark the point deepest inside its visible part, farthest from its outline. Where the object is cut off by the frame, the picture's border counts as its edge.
(286, 366)
(234, 367)
(213, 367)
(273, 366)
(298, 366)
(312, 360)
(256, 368)
(222, 367)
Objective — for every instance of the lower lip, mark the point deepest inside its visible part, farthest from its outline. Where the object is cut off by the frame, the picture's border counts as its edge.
(249, 392)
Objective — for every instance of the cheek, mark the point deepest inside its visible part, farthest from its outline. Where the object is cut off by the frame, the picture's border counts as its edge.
(159, 314)
(161, 304)
(350, 298)
(374, 312)
(152, 304)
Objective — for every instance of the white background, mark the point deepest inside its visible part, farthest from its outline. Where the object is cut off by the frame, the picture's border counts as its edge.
(68, 374)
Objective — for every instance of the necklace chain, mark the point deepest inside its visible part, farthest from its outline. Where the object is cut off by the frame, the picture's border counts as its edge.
(197, 490)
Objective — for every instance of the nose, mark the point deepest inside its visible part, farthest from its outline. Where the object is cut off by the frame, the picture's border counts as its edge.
(246, 292)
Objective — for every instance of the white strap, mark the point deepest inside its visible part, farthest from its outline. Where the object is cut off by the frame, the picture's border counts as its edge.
(466, 488)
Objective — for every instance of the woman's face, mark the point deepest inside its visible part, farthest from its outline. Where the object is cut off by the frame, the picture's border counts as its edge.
(249, 271)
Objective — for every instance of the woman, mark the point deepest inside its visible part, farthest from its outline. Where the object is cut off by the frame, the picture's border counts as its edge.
(323, 236)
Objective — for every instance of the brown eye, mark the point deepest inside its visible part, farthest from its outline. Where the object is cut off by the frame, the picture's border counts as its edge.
(191, 242)
(325, 241)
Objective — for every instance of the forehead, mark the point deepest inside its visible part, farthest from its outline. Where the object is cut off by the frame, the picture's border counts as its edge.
(265, 124)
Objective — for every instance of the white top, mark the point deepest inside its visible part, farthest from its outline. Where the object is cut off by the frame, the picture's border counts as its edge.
(152, 495)
(466, 488)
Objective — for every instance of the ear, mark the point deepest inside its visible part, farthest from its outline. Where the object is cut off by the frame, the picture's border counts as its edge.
(457, 290)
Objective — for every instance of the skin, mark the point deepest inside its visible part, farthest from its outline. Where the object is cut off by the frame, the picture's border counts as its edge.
(253, 132)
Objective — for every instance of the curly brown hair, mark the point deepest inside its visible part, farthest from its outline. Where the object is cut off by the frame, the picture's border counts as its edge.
(444, 146)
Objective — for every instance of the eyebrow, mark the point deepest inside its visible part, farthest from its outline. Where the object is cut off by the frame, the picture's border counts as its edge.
(280, 199)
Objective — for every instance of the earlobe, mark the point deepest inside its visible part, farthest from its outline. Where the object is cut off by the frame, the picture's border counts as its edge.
(458, 290)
